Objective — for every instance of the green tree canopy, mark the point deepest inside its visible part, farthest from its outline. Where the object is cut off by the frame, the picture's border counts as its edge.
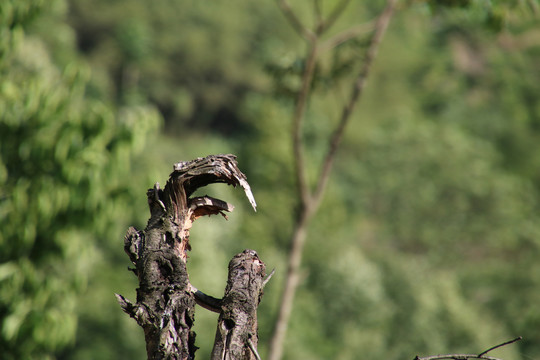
(63, 168)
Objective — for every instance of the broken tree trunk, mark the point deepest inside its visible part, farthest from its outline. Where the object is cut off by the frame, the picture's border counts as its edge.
(165, 297)
(236, 335)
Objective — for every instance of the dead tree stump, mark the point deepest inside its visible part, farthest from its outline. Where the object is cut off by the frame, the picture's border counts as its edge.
(236, 335)
(165, 298)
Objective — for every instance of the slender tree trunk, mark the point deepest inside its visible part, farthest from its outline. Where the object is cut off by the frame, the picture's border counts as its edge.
(310, 199)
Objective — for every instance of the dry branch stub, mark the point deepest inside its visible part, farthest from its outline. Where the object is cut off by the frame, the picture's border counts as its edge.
(165, 298)
(236, 334)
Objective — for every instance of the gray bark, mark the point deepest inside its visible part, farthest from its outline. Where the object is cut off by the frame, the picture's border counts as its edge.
(236, 335)
(165, 298)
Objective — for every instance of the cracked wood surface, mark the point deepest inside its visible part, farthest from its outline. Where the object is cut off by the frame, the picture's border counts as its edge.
(236, 334)
(165, 298)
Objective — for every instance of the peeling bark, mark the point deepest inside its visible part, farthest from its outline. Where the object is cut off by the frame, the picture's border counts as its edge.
(165, 298)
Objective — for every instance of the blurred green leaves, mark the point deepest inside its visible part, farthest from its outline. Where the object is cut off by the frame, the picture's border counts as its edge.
(191, 60)
(436, 182)
(63, 162)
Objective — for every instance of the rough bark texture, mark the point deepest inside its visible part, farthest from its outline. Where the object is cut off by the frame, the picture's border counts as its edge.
(165, 298)
(236, 335)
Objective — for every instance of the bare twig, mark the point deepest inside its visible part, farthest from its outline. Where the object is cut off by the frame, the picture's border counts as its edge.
(469, 356)
(500, 345)
(268, 277)
(455, 357)
(253, 349)
(206, 301)
(294, 21)
(380, 29)
(335, 14)
(298, 117)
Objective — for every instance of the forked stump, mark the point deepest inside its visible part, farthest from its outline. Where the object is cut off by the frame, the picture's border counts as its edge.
(165, 298)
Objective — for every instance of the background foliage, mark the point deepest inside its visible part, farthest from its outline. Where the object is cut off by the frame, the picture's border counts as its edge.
(428, 238)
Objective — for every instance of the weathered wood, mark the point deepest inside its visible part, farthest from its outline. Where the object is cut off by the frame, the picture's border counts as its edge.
(165, 298)
(236, 335)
